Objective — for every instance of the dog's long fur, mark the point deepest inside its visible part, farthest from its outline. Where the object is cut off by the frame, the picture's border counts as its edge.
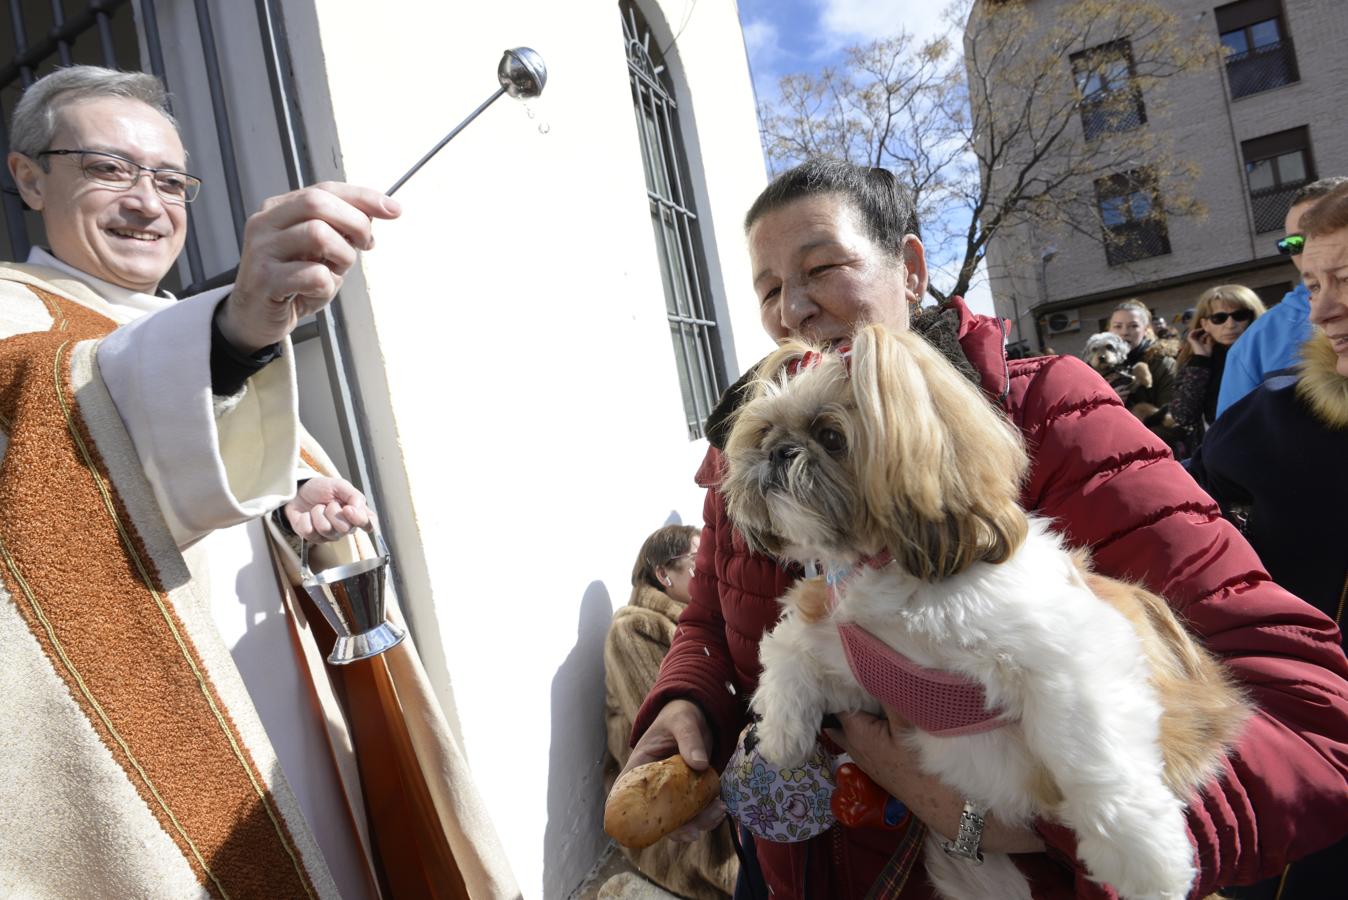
(1119, 715)
(1107, 353)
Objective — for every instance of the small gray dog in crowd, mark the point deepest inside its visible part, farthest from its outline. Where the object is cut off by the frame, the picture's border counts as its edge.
(1107, 353)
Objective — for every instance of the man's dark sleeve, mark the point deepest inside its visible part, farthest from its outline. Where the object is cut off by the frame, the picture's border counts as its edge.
(230, 366)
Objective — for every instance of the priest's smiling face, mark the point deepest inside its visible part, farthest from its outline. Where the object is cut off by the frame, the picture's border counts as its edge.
(127, 237)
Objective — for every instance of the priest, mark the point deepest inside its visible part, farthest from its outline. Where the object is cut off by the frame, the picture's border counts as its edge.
(167, 728)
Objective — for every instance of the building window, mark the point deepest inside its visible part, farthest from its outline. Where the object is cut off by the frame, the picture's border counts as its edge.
(42, 37)
(1131, 216)
(678, 238)
(1110, 99)
(1259, 53)
(1276, 167)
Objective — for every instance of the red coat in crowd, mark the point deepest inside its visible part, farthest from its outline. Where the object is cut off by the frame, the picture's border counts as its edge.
(1112, 486)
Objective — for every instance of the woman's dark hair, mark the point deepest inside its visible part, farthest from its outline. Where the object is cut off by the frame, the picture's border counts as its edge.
(886, 209)
(663, 546)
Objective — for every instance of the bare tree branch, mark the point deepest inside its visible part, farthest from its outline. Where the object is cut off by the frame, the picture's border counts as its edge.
(998, 139)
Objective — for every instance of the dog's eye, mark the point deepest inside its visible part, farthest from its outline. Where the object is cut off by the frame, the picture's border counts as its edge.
(831, 440)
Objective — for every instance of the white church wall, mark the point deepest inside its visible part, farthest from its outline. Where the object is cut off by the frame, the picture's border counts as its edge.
(510, 339)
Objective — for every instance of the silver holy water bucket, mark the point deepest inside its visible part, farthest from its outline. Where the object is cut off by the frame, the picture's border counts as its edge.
(351, 598)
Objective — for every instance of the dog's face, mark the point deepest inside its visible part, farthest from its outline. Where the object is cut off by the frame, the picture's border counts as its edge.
(793, 483)
(1106, 352)
(891, 449)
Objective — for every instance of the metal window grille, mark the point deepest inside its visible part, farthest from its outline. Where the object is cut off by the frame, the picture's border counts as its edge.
(1276, 167)
(1270, 205)
(1132, 218)
(43, 35)
(678, 239)
(1259, 55)
(1110, 99)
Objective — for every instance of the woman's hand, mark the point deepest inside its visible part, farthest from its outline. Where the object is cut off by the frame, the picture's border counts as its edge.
(326, 509)
(1200, 342)
(680, 727)
(880, 746)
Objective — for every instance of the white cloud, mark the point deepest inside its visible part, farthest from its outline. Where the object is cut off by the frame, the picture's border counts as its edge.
(850, 21)
(762, 40)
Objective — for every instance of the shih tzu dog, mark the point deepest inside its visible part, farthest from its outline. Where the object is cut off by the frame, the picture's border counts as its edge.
(1107, 353)
(888, 467)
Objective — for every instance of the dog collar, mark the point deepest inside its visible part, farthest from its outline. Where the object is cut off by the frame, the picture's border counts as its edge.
(945, 704)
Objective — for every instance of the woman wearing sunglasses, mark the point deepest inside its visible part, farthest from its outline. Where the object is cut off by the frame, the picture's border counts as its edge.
(1222, 315)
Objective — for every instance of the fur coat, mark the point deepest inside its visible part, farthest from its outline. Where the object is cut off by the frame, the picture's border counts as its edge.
(638, 639)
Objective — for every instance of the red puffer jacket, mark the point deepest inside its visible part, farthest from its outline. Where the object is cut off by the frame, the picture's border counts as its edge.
(1111, 486)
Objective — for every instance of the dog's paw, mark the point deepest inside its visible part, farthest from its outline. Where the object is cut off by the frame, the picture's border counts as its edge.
(1140, 870)
(784, 744)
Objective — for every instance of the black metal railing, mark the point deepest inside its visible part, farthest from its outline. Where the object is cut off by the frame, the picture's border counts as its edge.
(1261, 68)
(43, 36)
(1270, 205)
(1112, 112)
(692, 321)
(1135, 241)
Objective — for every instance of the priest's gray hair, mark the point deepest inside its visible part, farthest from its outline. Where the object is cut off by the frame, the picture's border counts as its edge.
(35, 121)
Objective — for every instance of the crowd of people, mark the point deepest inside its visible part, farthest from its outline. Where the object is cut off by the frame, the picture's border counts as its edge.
(1219, 350)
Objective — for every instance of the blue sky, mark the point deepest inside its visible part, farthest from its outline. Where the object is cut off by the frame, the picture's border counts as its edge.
(786, 36)
(802, 35)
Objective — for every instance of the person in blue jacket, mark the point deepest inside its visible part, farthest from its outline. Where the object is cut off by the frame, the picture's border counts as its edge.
(1273, 342)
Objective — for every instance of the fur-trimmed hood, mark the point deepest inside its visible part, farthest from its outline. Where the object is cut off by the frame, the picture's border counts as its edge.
(1321, 386)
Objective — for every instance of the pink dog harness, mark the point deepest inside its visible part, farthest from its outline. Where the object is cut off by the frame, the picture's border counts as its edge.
(940, 703)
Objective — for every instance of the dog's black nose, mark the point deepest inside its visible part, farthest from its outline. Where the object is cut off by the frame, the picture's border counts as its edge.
(781, 455)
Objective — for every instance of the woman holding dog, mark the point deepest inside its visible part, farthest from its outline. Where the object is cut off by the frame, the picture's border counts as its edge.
(1222, 315)
(834, 246)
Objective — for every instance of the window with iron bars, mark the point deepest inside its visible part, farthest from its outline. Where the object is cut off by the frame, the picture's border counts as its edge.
(678, 238)
(1111, 101)
(1276, 167)
(44, 36)
(1132, 218)
(1259, 54)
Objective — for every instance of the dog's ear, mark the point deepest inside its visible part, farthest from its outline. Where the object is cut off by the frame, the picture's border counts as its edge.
(940, 468)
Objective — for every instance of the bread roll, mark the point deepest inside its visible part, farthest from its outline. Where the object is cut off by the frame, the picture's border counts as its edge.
(650, 801)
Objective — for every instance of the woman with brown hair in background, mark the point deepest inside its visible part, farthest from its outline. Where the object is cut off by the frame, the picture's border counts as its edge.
(1222, 315)
(690, 863)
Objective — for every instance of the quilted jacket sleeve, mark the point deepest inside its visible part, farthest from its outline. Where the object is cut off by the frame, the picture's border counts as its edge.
(699, 663)
(1112, 486)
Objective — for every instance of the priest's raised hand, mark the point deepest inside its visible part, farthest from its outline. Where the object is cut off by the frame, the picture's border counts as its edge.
(296, 249)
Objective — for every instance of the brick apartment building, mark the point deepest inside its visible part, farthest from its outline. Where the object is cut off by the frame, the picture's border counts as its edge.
(1258, 123)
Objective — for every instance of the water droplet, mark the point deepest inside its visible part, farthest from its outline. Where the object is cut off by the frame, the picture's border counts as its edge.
(544, 127)
(528, 110)
(730, 687)
(706, 651)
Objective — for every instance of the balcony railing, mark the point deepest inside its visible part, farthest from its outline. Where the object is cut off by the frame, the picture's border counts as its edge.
(1112, 112)
(1132, 242)
(1261, 69)
(1270, 205)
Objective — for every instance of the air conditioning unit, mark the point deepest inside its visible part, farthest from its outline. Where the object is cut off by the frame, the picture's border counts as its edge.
(1061, 322)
